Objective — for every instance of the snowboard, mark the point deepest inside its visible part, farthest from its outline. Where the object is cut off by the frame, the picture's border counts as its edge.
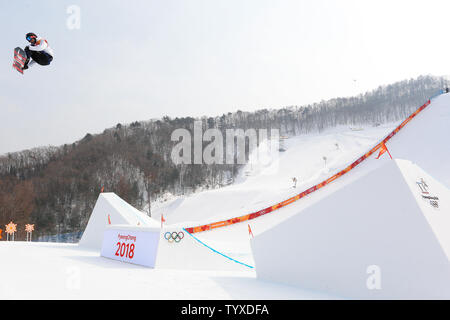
(20, 59)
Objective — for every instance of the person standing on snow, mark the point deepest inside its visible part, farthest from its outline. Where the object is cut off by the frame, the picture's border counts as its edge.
(38, 52)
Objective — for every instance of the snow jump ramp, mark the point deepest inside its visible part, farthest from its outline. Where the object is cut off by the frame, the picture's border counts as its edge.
(110, 209)
(383, 236)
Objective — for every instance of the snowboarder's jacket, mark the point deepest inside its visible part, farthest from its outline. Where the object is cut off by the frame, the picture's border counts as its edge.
(41, 45)
(40, 53)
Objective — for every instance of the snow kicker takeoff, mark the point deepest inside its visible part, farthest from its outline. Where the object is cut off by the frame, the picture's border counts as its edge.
(38, 52)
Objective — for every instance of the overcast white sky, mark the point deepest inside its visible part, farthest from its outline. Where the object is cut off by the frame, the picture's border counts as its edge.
(137, 60)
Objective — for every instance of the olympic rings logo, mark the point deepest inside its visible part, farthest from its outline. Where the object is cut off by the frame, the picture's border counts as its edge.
(174, 236)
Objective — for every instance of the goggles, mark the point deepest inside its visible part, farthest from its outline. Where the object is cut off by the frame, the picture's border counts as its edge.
(30, 37)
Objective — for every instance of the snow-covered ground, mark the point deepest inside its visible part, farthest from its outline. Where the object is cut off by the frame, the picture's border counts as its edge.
(67, 271)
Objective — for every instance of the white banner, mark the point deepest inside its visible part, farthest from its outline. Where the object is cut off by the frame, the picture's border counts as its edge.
(137, 245)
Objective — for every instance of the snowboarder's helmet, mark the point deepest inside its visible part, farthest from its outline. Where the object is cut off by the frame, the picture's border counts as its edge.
(30, 36)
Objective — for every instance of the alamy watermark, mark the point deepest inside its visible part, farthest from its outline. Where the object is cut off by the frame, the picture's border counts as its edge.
(73, 21)
(373, 282)
(237, 145)
(73, 280)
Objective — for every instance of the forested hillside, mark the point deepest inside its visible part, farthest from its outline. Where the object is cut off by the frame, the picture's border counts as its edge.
(56, 187)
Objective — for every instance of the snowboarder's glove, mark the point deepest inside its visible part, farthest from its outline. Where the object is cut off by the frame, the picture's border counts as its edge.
(25, 67)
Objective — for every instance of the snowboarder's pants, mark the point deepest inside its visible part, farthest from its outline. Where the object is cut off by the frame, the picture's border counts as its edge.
(40, 57)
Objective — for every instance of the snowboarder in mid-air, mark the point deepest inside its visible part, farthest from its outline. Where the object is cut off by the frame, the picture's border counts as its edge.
(37, 52)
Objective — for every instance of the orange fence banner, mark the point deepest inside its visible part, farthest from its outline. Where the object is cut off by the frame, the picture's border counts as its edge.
(383, 149)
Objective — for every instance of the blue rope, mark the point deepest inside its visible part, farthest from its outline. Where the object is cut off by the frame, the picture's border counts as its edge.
(437, 94)
(214, 250)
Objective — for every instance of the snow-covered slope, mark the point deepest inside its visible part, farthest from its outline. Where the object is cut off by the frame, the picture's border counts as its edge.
(262, 185)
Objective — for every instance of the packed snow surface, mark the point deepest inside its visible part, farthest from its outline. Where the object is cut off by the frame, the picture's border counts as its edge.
(64, 271)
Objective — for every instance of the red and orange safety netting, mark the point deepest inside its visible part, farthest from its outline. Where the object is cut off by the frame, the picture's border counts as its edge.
(277, 206)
